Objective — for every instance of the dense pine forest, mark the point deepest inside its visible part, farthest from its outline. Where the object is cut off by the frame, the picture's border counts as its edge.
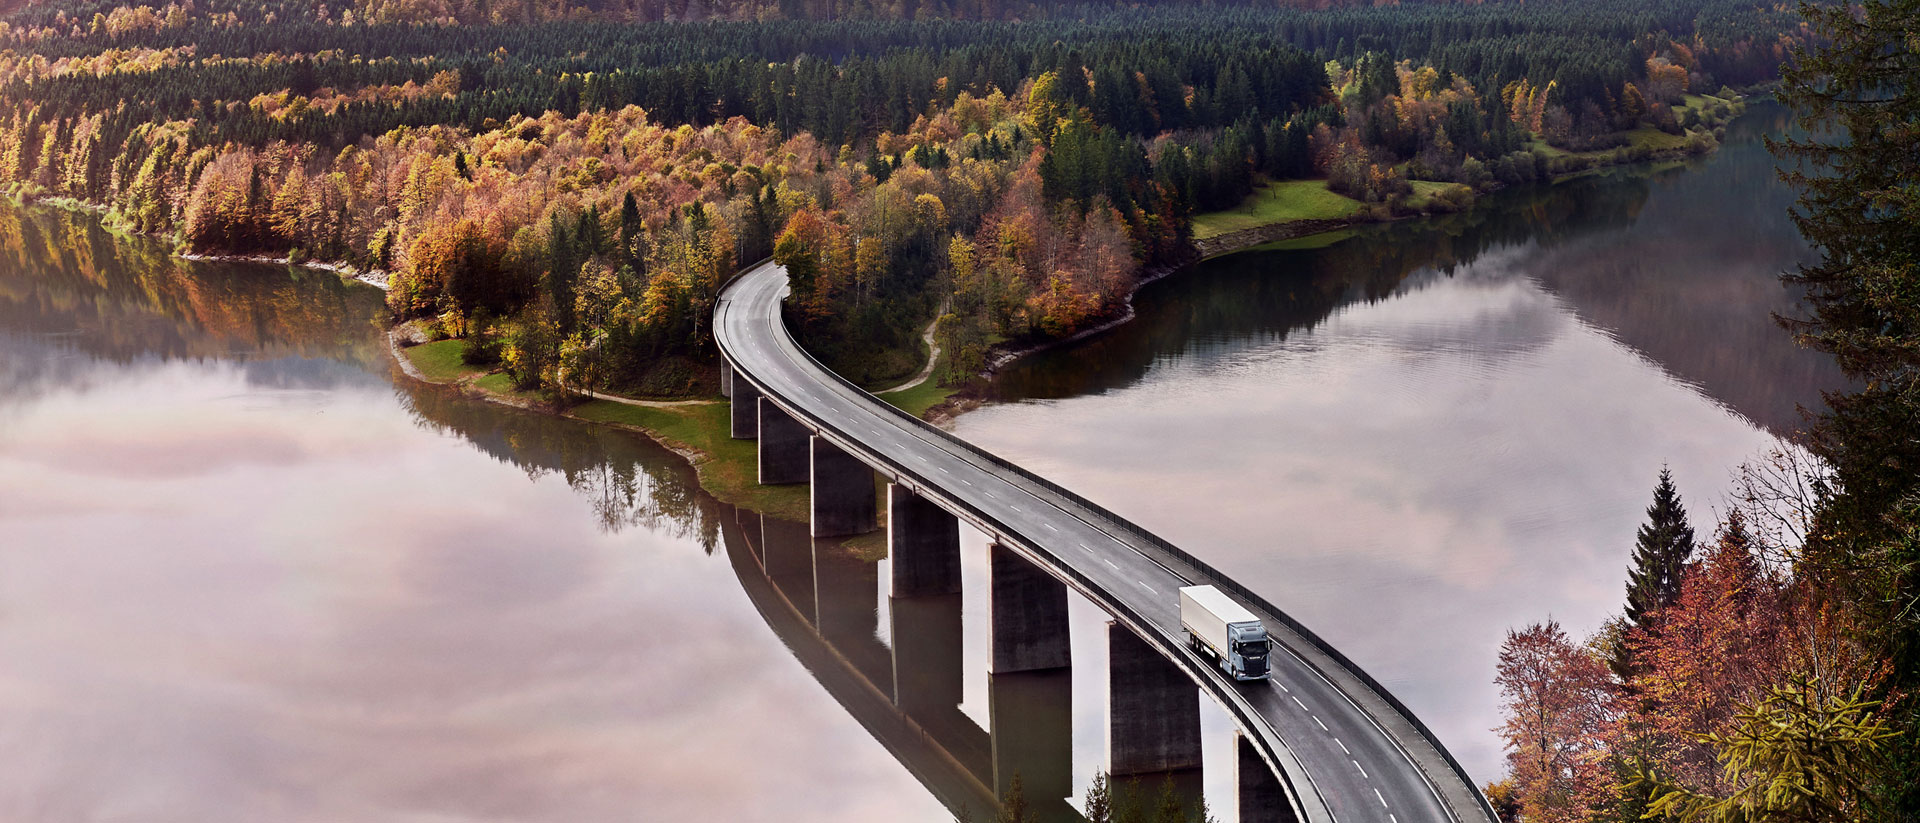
(567, 188)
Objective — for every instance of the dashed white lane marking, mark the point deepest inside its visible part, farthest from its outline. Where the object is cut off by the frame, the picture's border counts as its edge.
(1050, 527)
(1391, 816)
(943, 470)
(1143, 584)
(991, 496)
(1015, 508)
(1083, 547)
(1383, 799)
(1363, 769)
(1316, 722)
(1109, 564)
(1296, 701)
(1343, 746)
(966, 481)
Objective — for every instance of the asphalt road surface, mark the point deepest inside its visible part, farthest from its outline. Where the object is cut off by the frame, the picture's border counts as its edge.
(1348, 754)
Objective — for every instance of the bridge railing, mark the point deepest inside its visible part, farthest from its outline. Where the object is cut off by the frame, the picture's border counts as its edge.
(1216, 578)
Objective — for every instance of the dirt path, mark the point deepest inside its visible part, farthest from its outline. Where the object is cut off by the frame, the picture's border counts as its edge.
(933, 356)
(631, 401)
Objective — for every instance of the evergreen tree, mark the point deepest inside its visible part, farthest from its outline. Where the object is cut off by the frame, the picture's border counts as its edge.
(1099, 800)
(1013, 804)
(1856, 87)
(1659, 559)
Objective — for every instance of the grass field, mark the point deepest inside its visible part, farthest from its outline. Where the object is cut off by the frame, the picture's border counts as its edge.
(1424, 191)
(1277, 202)
(1654, 139)
(918, 399)
(728, 468)
(440, 362)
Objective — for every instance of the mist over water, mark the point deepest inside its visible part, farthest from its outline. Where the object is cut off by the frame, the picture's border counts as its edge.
(1422, 436)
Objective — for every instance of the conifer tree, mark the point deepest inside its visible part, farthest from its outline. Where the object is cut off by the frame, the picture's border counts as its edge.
(1659, 559)
(1099, 800)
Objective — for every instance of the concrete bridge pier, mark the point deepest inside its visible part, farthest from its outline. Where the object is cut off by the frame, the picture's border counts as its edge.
(843, 494)
(726, 378)
(1262, 800)
(1153, 709)
(785, 456)
(1029, 615)
(746, 410)
(923, 545)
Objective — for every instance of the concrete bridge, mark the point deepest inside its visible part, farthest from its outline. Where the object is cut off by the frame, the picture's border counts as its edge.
(1320, 742)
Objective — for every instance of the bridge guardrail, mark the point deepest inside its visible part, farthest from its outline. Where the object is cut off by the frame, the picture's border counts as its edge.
(1218, 578)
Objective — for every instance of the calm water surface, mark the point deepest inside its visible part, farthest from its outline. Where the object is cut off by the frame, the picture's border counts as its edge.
(1421, 436)
(247, 572)
(245, 577)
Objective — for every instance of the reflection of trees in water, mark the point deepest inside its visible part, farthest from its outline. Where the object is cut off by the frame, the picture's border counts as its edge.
(120, 299)
(1263, 296)
(1692, 284)
(628, 480)
(67, 284)
(1680, 265)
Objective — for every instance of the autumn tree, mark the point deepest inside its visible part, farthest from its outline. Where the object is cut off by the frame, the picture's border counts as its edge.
(1805, 753)
(1556, 697)
(1719, 645)
(459, 262)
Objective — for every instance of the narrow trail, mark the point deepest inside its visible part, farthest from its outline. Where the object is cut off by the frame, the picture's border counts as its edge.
(933, 356)
(631, 401)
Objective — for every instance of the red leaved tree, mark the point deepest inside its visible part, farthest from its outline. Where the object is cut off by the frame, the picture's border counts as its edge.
(1557, 699)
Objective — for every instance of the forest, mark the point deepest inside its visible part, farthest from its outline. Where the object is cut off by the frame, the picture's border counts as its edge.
(567, 186)
(1766, 671)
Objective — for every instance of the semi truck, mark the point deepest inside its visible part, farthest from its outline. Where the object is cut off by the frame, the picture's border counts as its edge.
(1224, 631)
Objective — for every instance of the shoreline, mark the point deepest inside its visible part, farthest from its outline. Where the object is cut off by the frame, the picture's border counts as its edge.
(376, 278)
(676, 425)
(725, 468)
(1244, 239)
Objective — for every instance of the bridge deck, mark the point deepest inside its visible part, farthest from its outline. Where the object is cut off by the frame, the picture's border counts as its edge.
(1345, 748)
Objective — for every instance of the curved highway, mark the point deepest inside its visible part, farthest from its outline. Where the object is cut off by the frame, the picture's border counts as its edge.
(1346, 751)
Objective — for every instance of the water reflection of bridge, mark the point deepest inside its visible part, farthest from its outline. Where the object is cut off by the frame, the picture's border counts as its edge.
(825, 604)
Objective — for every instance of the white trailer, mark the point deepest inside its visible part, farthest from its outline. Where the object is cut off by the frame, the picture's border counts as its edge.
(1224, 632)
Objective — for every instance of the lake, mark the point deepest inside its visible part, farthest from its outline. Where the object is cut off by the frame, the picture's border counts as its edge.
(250, 571)
(1428, 433)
